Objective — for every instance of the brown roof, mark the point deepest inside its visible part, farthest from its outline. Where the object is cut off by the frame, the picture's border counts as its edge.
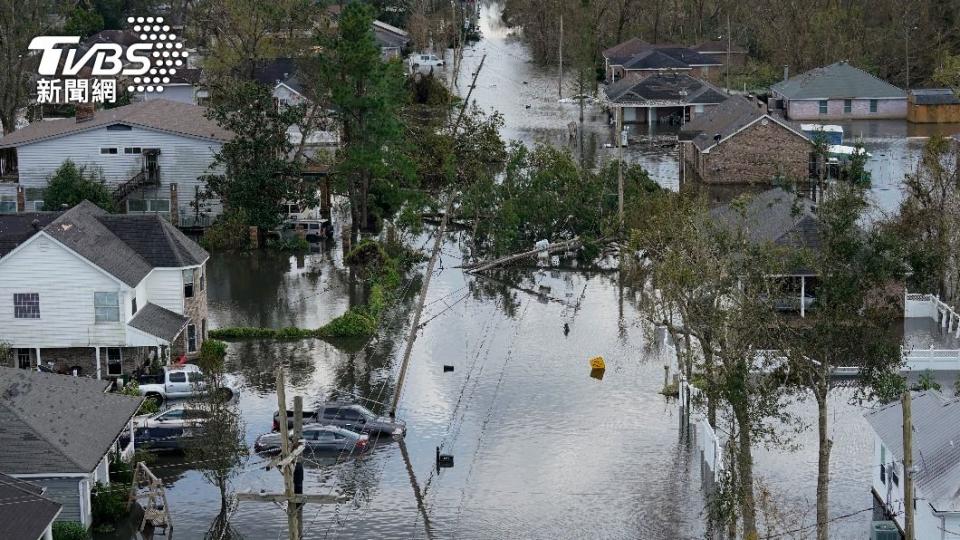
(718, 46)
(157, 114)
(726, 120)
(629, 47)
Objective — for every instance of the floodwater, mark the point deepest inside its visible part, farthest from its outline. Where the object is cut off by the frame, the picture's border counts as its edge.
(541, 449)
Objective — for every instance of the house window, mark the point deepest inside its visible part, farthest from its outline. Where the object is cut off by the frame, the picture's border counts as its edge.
(38, 206)
(133, 306)
(873, 105)
(133, 150)
(111, 150)
(191, 338)
(883, 474)
(847, 106)
(26, 305)
(135, 206)
(23, 358)
(106, 306)
(8, 204)
(188, 283)
(823, 106)
(893, 474)
(203, 329)
(114, 361)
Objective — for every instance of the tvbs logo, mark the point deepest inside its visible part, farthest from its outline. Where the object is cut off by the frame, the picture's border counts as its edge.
(148, 64)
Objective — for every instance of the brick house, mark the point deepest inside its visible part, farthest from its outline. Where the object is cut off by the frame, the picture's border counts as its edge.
(99, 294)
(673, 97)
(738, 142)
(838, 92)
(638, 59)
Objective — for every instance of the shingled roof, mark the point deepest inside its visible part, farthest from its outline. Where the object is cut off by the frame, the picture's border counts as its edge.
(30, 515)
(727, 119)
(159, 322)
(936, 444)
(837, 81)
(17, 228)
(53, 423)
(934, 96)
(127, 246)
(156, 114)
(664, 88)
(773, 216)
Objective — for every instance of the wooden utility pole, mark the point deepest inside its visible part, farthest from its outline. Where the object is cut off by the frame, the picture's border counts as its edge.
(560, 81)
(907, 467)
(620, 165)
(729, 46)
(289, 464)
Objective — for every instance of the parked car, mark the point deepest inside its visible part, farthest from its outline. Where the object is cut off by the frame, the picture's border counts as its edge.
(424, 62)
(176, 382)
(319, 438)
(177, 417)
(350, 416)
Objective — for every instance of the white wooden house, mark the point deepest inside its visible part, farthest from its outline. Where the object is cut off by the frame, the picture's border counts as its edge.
(152, 154)
(936, 465)
(99, 294)
(58, 433)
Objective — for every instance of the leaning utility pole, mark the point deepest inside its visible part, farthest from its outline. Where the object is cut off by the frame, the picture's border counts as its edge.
(620, 165)
(289, 464)
(729, 46)
(907, 467)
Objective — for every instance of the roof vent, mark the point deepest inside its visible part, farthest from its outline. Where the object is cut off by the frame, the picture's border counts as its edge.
(717, 137)
(35, 224)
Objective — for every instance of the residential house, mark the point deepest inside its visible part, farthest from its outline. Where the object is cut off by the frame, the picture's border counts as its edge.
(778, 218)
(25, 512)
(664, 97)
(637, 58)
(721, 50)
(392, 40)
(838, 91)
(739, 142)
(185, 86)
(99, 294)
(933, 106)
(58, 432)
(153, 156)
(936, 464)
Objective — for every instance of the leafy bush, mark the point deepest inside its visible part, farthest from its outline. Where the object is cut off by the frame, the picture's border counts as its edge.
(212, 353)
(926, 381)
(229, 232)
(108, 504)
(70, 530)
(292, 243)
(132, 388)
(352, 324)
(70, 185)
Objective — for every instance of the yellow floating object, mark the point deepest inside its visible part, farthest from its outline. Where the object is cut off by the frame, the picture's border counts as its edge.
(597, 363)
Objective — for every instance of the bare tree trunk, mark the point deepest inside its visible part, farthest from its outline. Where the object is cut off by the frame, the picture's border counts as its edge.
(745, 471)
(823, 461)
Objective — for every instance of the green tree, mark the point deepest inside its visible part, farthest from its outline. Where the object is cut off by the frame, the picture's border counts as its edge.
(368, 95)
(71, 185)
(20, 22)
(83, 22)
(258, 174)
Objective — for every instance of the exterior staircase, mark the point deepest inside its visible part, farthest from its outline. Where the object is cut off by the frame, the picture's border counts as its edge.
(147, 177)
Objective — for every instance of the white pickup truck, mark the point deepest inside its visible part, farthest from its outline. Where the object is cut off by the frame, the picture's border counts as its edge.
(177, 382)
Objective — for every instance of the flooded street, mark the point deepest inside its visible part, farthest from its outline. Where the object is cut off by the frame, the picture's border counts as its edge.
(541, 449)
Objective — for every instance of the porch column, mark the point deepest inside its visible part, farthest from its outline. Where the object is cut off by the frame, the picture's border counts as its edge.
(803, 294)
(651, 115)
(38, 358)
(97, 354)
(159, 358)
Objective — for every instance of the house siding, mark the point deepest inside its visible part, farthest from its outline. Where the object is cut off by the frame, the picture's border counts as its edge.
(66, 284)
(754, 156)
(184, 93)
(165, 289)
(860, 109)
(182, 160)
(65, 491)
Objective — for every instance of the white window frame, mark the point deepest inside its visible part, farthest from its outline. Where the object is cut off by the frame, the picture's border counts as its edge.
(119, 363)
(97, 306)
(15, 306)
(192, 343)
(38, 206)
(8, 204)
(192, 283)
(109, 151)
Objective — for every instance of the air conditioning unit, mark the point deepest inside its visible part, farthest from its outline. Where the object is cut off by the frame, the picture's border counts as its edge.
(884, 530)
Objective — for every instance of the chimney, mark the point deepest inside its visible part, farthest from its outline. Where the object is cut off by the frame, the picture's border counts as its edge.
(85, 112)
(786, 72)
(21, 199)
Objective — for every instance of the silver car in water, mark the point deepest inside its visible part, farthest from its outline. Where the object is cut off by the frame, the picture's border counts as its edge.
(317, 438)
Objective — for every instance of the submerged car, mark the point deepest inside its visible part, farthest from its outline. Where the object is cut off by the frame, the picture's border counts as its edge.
(350, 416)
(318, 438)
(177, 417)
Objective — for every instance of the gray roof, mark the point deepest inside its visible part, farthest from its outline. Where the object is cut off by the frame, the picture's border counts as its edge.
(934, 96)
(280, 70)
(159, 322)
(15, 228)
(773, 216)
(837, 81)
(30, 515)
(127, 246)
(53, 423)
(936, 444)
(664, 87)
(157, 114)
(725, 120)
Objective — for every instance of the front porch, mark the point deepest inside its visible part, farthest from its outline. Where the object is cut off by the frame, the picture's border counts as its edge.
(931, 334)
